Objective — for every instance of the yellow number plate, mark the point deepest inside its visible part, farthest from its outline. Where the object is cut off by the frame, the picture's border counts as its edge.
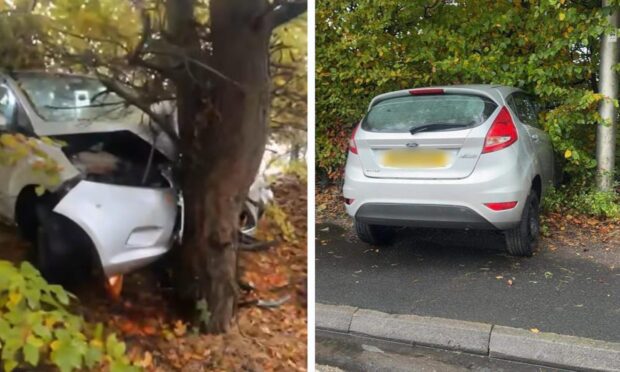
(415, 159)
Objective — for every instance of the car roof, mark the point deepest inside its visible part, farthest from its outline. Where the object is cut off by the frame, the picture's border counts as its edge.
(495, 92)
(482, 87)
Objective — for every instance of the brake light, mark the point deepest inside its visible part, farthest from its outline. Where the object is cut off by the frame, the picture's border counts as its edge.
(502, 133)
(352, 144)
(426, 91)
(501, 206)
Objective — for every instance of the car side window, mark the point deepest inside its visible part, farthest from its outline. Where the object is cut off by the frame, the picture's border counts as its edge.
(535, 105)
(510, 101)
(525, 108)
(7, 104)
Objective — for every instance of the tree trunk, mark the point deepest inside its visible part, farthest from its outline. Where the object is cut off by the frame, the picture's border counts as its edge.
(222, 149)
(608, 86)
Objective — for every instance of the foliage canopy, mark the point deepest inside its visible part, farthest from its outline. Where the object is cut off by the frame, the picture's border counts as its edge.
(365, 48)
(99, 37)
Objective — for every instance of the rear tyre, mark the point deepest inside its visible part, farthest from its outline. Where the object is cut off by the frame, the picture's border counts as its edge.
(374, 234)
(523, 239)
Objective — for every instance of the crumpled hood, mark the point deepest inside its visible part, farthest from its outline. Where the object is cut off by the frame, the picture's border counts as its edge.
(163, 142)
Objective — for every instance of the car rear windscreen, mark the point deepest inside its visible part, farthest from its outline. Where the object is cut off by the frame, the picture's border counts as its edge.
(402, 114)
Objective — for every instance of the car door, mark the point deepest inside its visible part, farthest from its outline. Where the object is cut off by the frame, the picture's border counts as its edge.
(527, 112)
(8, 106)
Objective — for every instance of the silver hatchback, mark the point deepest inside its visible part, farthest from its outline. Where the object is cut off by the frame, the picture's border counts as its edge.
(466, 157)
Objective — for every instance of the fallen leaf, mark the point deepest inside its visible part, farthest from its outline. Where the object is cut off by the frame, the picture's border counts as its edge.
(147, 360)
(534, 330)
(180, 328)
(149, 330)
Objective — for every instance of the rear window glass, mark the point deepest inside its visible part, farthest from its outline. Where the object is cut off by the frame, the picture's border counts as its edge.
(401, 114)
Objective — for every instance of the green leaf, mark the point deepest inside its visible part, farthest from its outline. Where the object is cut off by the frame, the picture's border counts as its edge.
(28, 270)
(98, 333)
(65, 356)
(93, 356)
(114, 347)
(42, 331)
(31, 354)
(119, 366)
(39, 190)
(10, 365)
(60, 294)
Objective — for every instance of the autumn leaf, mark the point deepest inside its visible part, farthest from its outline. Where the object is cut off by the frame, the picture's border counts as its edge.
(180, 328)
(147, 360)
(8, 140)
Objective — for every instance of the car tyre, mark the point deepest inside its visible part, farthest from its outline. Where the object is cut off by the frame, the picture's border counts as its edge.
(374, 234)
(523, 239)
(54, 255)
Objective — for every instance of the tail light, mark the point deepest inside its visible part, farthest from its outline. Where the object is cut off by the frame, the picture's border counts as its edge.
(348, 201)
(502, 134)
(502, 206)
(426, 91)
(352, 144)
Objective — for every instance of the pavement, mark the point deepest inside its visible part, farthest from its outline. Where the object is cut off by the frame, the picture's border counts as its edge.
(486, 340)
(468, 276)
(336, 353)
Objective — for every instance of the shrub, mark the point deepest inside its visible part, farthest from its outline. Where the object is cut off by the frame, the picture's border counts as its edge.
(365, 48)
(589, 202)
(37, 328)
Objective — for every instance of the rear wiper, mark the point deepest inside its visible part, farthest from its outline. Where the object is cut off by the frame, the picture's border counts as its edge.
(436, 127)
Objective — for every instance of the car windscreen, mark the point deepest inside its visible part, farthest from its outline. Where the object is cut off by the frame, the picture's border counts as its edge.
(61, 98)
(404, 114)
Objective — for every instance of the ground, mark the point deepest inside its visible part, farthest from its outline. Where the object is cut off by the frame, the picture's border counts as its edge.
(263, 339)
(336, 353)
(570, 286)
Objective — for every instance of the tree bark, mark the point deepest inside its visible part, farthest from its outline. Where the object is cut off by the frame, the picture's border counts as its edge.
(223, 135)
(608, 86)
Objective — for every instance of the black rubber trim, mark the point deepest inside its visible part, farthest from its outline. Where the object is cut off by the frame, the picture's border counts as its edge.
(422, 215)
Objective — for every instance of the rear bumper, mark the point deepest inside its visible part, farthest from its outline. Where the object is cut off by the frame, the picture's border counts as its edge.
(420, 215)
(449, 203)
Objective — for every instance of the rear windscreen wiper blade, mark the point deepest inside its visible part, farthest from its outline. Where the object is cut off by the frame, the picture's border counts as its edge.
(436, 127)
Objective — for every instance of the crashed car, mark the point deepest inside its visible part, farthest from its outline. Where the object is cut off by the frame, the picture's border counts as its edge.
(114, 202)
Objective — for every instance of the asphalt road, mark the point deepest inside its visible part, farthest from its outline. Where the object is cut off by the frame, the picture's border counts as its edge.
(363, 354)
(467, 276)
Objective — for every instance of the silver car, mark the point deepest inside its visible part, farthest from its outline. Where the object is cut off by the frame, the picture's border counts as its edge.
(113, 202)
(465, 157)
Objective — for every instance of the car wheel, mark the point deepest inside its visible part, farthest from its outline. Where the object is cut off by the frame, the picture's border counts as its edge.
(374, 234)
(54, 255)
(523, 239)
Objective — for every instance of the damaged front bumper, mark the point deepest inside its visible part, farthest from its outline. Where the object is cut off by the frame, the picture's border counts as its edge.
(130, 227)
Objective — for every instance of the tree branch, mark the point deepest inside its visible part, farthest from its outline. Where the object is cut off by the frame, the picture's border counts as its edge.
(116, 87)
(286, 10)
